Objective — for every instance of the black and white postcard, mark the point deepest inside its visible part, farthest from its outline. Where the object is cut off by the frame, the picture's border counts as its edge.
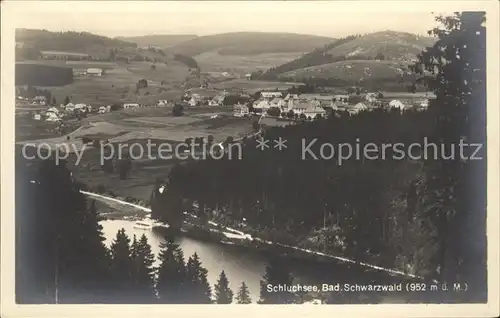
(291, 153)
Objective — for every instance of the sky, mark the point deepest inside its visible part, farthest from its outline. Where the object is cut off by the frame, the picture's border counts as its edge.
(124, 18)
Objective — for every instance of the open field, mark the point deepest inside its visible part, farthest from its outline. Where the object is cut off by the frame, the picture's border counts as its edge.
(213, 61)
(254, 86)
(138, 126)
(118, 84)
(350, 71)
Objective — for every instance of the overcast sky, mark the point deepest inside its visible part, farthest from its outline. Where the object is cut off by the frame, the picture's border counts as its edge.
(123, 18)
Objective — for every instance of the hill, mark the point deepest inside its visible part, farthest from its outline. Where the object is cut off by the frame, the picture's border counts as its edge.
(76, 42)
(161, 41)
(390, 45)
(250, 43)
(386, 45)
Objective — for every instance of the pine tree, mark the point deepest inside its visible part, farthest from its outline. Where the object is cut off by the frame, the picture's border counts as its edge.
(223, 294)
(66, 100)
(122, 267)
(171, 281)
(198, 287)
(143, 273)
(243, 296)
(276, 274)
(61, 255)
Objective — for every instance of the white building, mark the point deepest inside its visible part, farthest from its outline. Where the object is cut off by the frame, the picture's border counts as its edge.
(131, 105)
(217, 101)
(396, 104)
(240, 110)
(69, 107)
(94, 72)
(270, 95)
(261, 106)
(277, 102)
(357, 108)
(313, 111)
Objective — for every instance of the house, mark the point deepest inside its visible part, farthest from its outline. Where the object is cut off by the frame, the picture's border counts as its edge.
(240, 110)
(291, 96)
(40, 100)
(37, 117)
(195, 100)
(371, 97)
(94, 72)
(396, 104)
(341, 98)
(277, 102)
(261, 106)
(357, 108)
(298, 107)
(423, 103)
(270, 95)
(225, 74)
(50, 116)
(248, 76)
(162, 103)
(53, 110)
(102, 110)
(131, 105)
(79, 72)
(217, 100)
(81, 107)
(69, 107)
(313, 111)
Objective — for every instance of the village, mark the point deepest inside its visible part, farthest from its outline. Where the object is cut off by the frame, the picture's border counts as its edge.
(280, 104)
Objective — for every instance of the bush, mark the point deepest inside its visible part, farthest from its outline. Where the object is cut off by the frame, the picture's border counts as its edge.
(178, 110)
(274, 111)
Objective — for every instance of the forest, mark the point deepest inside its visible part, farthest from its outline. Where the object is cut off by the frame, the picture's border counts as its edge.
(43, 75)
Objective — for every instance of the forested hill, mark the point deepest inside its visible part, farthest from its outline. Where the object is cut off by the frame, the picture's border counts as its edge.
(251, 43)
(77, 42)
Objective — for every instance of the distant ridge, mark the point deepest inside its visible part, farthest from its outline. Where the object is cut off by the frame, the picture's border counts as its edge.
(160, 40)
(251, 43)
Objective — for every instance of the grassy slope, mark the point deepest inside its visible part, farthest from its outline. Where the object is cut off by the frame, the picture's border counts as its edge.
(350, 70)
(251, 43)
(392, 44)
(399, 47)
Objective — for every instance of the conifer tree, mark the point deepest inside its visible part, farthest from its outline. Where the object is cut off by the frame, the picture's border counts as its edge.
(171, 280)
(198, 287)
(276, 274)
(143, 260)
(60, 256)
(243, 296)
(223, 294)
(122, 268)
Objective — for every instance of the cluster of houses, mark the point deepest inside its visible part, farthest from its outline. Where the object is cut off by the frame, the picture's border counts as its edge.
(314, 105)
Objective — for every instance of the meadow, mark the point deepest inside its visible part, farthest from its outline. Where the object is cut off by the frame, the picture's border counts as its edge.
(118, 84)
